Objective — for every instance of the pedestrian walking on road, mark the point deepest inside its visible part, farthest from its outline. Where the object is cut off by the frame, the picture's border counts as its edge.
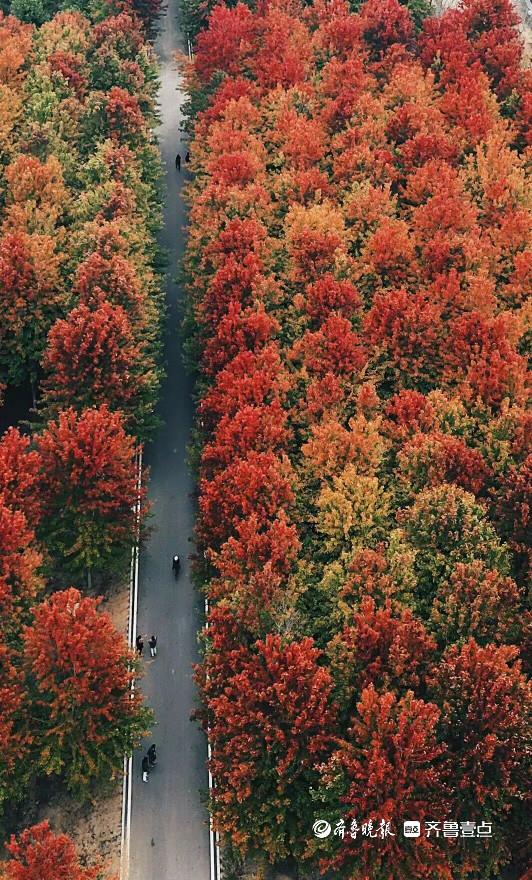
(145, 769)
(139, 644)
(175, 565)
(187, 156)
(178, 161)
(152, 755)
(153, 646)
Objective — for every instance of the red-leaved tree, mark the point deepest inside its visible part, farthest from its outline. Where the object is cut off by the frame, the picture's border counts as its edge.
(93, 358)
(15, 731)
(19, 470)
(80, 671)
(485, 705)
(271, 723)
(388, 767)
(88, 484)
(20, 581)
(39, 854)
(385, 646)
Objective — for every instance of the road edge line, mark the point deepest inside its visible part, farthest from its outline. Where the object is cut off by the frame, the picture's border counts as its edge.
(131, 636)
(214, 837)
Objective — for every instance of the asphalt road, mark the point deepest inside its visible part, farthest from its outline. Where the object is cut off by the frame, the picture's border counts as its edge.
(169, 826)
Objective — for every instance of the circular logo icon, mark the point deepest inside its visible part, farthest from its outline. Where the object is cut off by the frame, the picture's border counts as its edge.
(321, 828)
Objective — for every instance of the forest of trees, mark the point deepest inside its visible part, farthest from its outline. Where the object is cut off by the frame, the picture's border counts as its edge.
(358, 272)
(80, 280)
(195, 13)
(358, 267)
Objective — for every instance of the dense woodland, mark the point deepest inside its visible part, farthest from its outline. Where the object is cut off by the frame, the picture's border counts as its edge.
(358, 265)
(358, 274)
(80, 278)
(195, 13)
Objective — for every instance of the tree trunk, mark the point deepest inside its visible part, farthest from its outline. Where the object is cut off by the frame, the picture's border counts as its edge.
(33, 392)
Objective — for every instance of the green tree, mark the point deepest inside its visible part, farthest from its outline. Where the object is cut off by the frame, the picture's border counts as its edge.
(418, 9)
(30, 11)
(446, 526)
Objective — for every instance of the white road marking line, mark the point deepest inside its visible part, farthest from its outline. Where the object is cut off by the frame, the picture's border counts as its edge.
(214, 837)
(127, 784)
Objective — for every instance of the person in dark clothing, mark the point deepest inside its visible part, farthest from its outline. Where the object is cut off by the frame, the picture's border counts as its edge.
(153, 646)
(145, 769)
(187, 156)
(178, 161)
(152, 755)
(139, 644)
(175, 564)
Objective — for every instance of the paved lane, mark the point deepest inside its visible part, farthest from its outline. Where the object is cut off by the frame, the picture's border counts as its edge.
(169, 831)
